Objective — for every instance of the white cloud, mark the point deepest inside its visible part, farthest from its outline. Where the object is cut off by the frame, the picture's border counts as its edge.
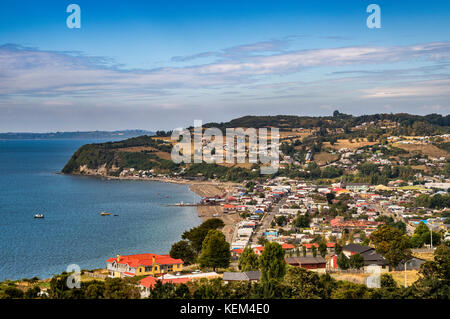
(38, 73)
(415, 89)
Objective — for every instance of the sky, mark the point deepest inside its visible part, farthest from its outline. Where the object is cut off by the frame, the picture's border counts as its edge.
(163, 64)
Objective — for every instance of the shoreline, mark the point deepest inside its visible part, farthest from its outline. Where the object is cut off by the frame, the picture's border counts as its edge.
(204, 188)
(200, 188)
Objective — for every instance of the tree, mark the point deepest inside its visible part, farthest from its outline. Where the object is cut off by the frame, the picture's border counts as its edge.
(272, 262)
(302, 221)
(215, 251)
(58, 286)
(117, 288)
(337, 249)
(281, 220)
(248, 260)
(95, 290)
(388, 220)
(387, 281)
(356, 261)
(12, 293)
(261, 240)
(392, 244)
(330, 197)
(32, 292)
(169, 291)
(434, 280)
(303, 284)
(422, 236)
(183, 250)
(213, 223)
(304, 251)
(197, 235)
(323, 249)
(342, 261)
(314, 251)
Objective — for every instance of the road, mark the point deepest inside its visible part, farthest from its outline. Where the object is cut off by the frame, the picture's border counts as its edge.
(385, 212)
(267, 219)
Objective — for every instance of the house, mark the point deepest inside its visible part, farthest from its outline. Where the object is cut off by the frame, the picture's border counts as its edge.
(372, 259)
(309, 246)
(149, 282)
(258, 250)
(244, 233)
(330, 247)
(352, 249)
(288, 248)
(142, 264)
(241, 276)
(236, 253)
(357, 187)
(311, 263)
(229, 208)
(412, 264)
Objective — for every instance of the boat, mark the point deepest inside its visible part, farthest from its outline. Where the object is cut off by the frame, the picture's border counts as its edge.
(38, 215)
(105, 214)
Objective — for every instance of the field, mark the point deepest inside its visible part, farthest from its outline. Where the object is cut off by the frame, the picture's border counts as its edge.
(426, 149)
(399, 277)
(351, 145)
(136, 149)
(323, 157)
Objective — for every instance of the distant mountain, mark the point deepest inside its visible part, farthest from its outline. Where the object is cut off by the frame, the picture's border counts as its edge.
(75, 135)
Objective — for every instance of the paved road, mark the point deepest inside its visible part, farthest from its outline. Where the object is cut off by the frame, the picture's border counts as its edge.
(267, 219)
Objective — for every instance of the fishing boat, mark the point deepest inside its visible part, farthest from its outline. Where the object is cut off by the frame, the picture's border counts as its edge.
(105, 214)
(38, 215)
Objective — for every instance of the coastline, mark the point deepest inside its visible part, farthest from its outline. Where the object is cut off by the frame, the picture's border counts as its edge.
(201, 188)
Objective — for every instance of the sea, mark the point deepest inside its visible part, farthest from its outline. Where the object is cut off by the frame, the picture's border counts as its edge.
(73, 232)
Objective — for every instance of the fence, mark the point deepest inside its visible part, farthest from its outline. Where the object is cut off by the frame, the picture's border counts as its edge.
(347, 271)
(422, 250)
(94, 275)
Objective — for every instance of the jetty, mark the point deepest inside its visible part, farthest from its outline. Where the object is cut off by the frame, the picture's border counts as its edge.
(181, 204)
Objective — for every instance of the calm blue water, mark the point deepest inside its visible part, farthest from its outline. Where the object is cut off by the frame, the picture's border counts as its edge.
(73, 232)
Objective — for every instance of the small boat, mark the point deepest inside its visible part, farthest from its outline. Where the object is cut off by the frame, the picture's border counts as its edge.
(105, 214)
(38, 215)
(116, 215)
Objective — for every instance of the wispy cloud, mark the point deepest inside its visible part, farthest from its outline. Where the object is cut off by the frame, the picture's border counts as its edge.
(34, 72)
(414, 89)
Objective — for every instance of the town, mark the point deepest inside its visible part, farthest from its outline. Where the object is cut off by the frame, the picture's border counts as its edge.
(362, 205)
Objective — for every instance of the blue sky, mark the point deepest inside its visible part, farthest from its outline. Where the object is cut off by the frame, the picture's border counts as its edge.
(162, 64)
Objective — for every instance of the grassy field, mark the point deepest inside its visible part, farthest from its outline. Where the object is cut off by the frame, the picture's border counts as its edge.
(399, 277)
(425, 149)
(351, 145)
(323, 157)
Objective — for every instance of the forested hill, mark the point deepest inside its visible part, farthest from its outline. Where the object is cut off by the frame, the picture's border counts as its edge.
(300, 136)
(426, 123)
(143, 152)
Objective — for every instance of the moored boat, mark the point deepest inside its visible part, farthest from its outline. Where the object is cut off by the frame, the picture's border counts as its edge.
(105, 214)
(38, 215)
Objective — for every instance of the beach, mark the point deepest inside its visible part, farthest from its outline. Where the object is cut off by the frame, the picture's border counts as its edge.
(201, 188)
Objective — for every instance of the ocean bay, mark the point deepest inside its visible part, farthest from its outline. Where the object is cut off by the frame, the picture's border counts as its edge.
(73, 231)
